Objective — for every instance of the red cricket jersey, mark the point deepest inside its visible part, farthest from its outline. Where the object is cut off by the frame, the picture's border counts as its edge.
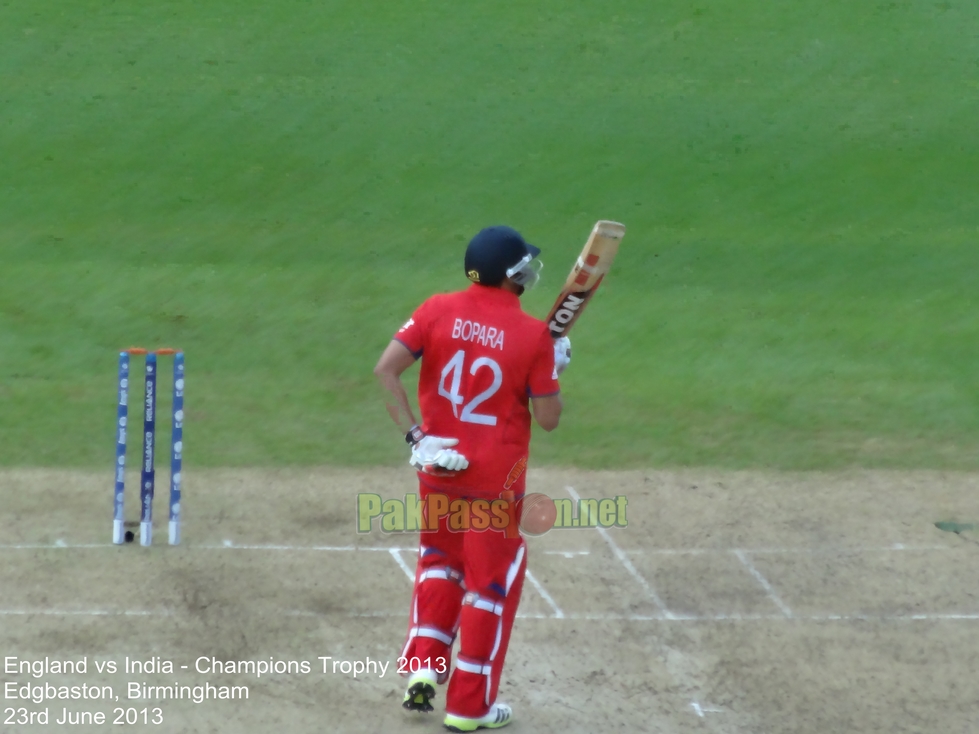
(483, 358)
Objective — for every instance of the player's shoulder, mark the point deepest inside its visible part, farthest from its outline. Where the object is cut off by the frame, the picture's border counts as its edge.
(442, 299)
(529, 323)
(438, 303)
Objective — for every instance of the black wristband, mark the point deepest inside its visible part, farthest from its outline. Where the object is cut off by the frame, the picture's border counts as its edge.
(414, 435)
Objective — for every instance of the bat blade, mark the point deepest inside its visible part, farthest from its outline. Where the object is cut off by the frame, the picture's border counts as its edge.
(587, 274)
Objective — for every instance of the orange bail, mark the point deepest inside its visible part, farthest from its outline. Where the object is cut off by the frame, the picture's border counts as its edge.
(163, 352)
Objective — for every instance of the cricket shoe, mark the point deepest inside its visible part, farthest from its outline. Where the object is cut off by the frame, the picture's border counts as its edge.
(421, 691)
(500, 714)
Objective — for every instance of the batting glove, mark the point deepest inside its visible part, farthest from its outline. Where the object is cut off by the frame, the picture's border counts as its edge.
(433, 453)
(562, 354)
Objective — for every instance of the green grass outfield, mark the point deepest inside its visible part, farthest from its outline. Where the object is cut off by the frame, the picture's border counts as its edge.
(274, 186)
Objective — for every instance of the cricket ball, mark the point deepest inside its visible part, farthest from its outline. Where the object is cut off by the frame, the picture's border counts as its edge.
(129, 536)
(537, 514)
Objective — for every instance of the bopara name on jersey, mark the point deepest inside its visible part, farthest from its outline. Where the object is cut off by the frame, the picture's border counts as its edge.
(473, 331)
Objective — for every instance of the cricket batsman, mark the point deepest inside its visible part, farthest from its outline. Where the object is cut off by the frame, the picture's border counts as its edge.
(484, 365)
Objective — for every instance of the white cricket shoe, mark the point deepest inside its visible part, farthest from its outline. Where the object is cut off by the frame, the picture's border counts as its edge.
(499, 715)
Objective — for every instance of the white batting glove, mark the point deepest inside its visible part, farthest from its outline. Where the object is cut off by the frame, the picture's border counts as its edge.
(562, 354)
(432, 453)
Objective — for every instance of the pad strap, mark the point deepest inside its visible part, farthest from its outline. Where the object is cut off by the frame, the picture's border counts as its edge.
(479, 668)
(473, 599)
(442, 572)
(433, 632)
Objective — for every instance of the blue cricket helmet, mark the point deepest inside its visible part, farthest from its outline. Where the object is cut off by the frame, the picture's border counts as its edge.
(500, 252)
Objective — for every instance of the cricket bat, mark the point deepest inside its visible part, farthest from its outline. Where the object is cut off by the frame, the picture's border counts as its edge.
(591, 267)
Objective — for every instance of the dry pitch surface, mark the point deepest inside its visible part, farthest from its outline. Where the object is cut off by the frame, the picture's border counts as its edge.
(732, 602)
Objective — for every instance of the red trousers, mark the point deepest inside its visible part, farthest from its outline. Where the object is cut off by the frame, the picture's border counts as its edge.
(467, 582)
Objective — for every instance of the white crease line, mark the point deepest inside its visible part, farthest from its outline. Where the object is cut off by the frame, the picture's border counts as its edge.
(226, 545)
(60, 545)
(939, 617)
(558, 614)
(764, 583)
(835, 550)
(701, 618)
(396, 554)
(762, 617)
(843, 550)
(231, 545)
(650, 591)
(700, 710)
(310, 613)
(85, 612)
